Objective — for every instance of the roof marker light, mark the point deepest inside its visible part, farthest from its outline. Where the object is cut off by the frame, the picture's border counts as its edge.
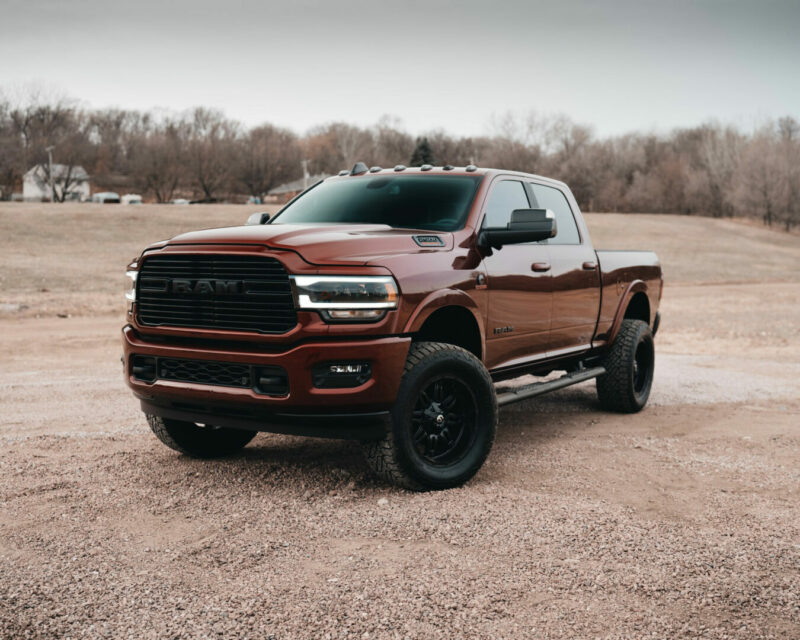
(343, 172)
(448, 167)
(471, 167)
(400, 167)
(426, 167)
(375, 169)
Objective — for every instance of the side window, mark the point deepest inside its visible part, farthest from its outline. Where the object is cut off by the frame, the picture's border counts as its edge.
(506, 196)
(553, 199)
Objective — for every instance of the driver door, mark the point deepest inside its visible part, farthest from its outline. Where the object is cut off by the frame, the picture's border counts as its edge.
(519, 285)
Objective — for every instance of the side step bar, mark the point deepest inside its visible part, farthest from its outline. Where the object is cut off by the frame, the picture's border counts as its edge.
(539, 388)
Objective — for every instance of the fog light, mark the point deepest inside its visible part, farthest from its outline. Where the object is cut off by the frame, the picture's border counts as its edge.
(347, 368)
(271, 380)
(144, 368)
(341, 375)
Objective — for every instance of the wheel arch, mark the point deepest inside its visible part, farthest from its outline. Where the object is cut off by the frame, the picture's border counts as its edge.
(449, 316)
(638, 307)
(634, 304)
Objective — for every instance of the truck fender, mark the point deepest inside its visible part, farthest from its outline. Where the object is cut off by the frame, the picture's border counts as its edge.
(633, 288)
(440, 299)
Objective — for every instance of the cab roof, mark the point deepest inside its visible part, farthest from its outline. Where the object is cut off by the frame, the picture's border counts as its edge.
(361, 170)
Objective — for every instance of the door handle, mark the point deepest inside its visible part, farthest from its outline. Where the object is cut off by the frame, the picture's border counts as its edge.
(540, 267)
(589, 266)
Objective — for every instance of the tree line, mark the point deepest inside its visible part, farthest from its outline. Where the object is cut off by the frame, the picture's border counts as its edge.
(711, 169)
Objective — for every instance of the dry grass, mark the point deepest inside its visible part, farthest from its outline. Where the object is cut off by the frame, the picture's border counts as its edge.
(69, 258)
(702, 250)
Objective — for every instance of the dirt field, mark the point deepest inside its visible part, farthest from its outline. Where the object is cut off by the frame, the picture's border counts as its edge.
(681, 521)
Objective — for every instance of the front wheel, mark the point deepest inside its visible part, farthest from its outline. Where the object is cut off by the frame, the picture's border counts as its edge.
(199, 441)
(443, 421)
(625, 387)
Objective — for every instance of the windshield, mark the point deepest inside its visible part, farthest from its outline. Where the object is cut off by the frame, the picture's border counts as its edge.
(434, 203)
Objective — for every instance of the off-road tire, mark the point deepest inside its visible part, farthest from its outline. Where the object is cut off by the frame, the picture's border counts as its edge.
(395, 459)
(196, 441)
(621, 389)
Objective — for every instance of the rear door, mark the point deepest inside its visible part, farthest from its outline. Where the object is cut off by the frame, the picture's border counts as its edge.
(575, 276)
(519, 284)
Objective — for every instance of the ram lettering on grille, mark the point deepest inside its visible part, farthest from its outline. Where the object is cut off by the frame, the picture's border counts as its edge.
(226, 292)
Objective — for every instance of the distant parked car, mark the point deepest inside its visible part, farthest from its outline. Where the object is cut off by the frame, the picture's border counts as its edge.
(131, 198)
(106, 197)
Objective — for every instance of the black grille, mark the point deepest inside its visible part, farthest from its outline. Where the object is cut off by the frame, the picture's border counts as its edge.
(230, 292)
(226, 374)
(270, 379)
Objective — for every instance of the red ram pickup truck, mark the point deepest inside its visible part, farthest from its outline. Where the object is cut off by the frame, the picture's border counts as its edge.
(384, 305)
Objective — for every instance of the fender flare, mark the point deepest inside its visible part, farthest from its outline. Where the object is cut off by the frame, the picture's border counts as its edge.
(632, 289)
(445, 298)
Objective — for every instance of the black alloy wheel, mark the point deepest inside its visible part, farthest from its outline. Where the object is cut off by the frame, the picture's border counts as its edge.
(444, 420)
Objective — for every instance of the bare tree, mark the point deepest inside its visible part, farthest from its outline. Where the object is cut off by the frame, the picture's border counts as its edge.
(392, 145)
(111, 132)
(706, 170)
(718, 159)
(267, 156)
(759, 185)
(569, 157)
(157, 158)
(11, 152)
(210, 152)
(789, 150)
(338, 145)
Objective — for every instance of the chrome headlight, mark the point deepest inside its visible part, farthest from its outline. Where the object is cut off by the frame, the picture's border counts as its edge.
(346, 298)
(130, 285)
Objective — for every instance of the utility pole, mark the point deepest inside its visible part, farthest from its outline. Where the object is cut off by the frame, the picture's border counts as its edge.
(50, 172)
(304, 164)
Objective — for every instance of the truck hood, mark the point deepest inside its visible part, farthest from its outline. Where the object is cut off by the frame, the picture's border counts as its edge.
(323, 244)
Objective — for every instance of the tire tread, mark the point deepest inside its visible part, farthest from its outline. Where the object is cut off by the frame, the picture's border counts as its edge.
(188, 439)
(381, 455)
(614, 389)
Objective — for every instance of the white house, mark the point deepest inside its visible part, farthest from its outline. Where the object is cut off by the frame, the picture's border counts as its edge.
(72, 180)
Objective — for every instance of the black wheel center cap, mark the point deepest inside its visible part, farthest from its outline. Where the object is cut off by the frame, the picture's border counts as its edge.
(434, 411)
(444, 420)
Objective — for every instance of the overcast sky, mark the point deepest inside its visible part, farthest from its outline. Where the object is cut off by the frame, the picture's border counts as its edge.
(618, 66)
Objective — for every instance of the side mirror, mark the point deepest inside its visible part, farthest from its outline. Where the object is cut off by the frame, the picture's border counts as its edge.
(526, 225)
(258, 218)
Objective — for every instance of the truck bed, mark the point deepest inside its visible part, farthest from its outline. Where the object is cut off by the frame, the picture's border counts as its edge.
(620, 275)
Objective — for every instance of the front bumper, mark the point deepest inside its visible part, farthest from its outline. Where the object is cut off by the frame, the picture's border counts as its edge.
(305, 409)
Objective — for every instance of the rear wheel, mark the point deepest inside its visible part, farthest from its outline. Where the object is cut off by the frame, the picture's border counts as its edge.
(625, 387)
(443, 422)
(199, 441)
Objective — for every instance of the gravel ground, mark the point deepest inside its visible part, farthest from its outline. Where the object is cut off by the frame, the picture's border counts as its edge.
(681, 521)
(583, 526)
